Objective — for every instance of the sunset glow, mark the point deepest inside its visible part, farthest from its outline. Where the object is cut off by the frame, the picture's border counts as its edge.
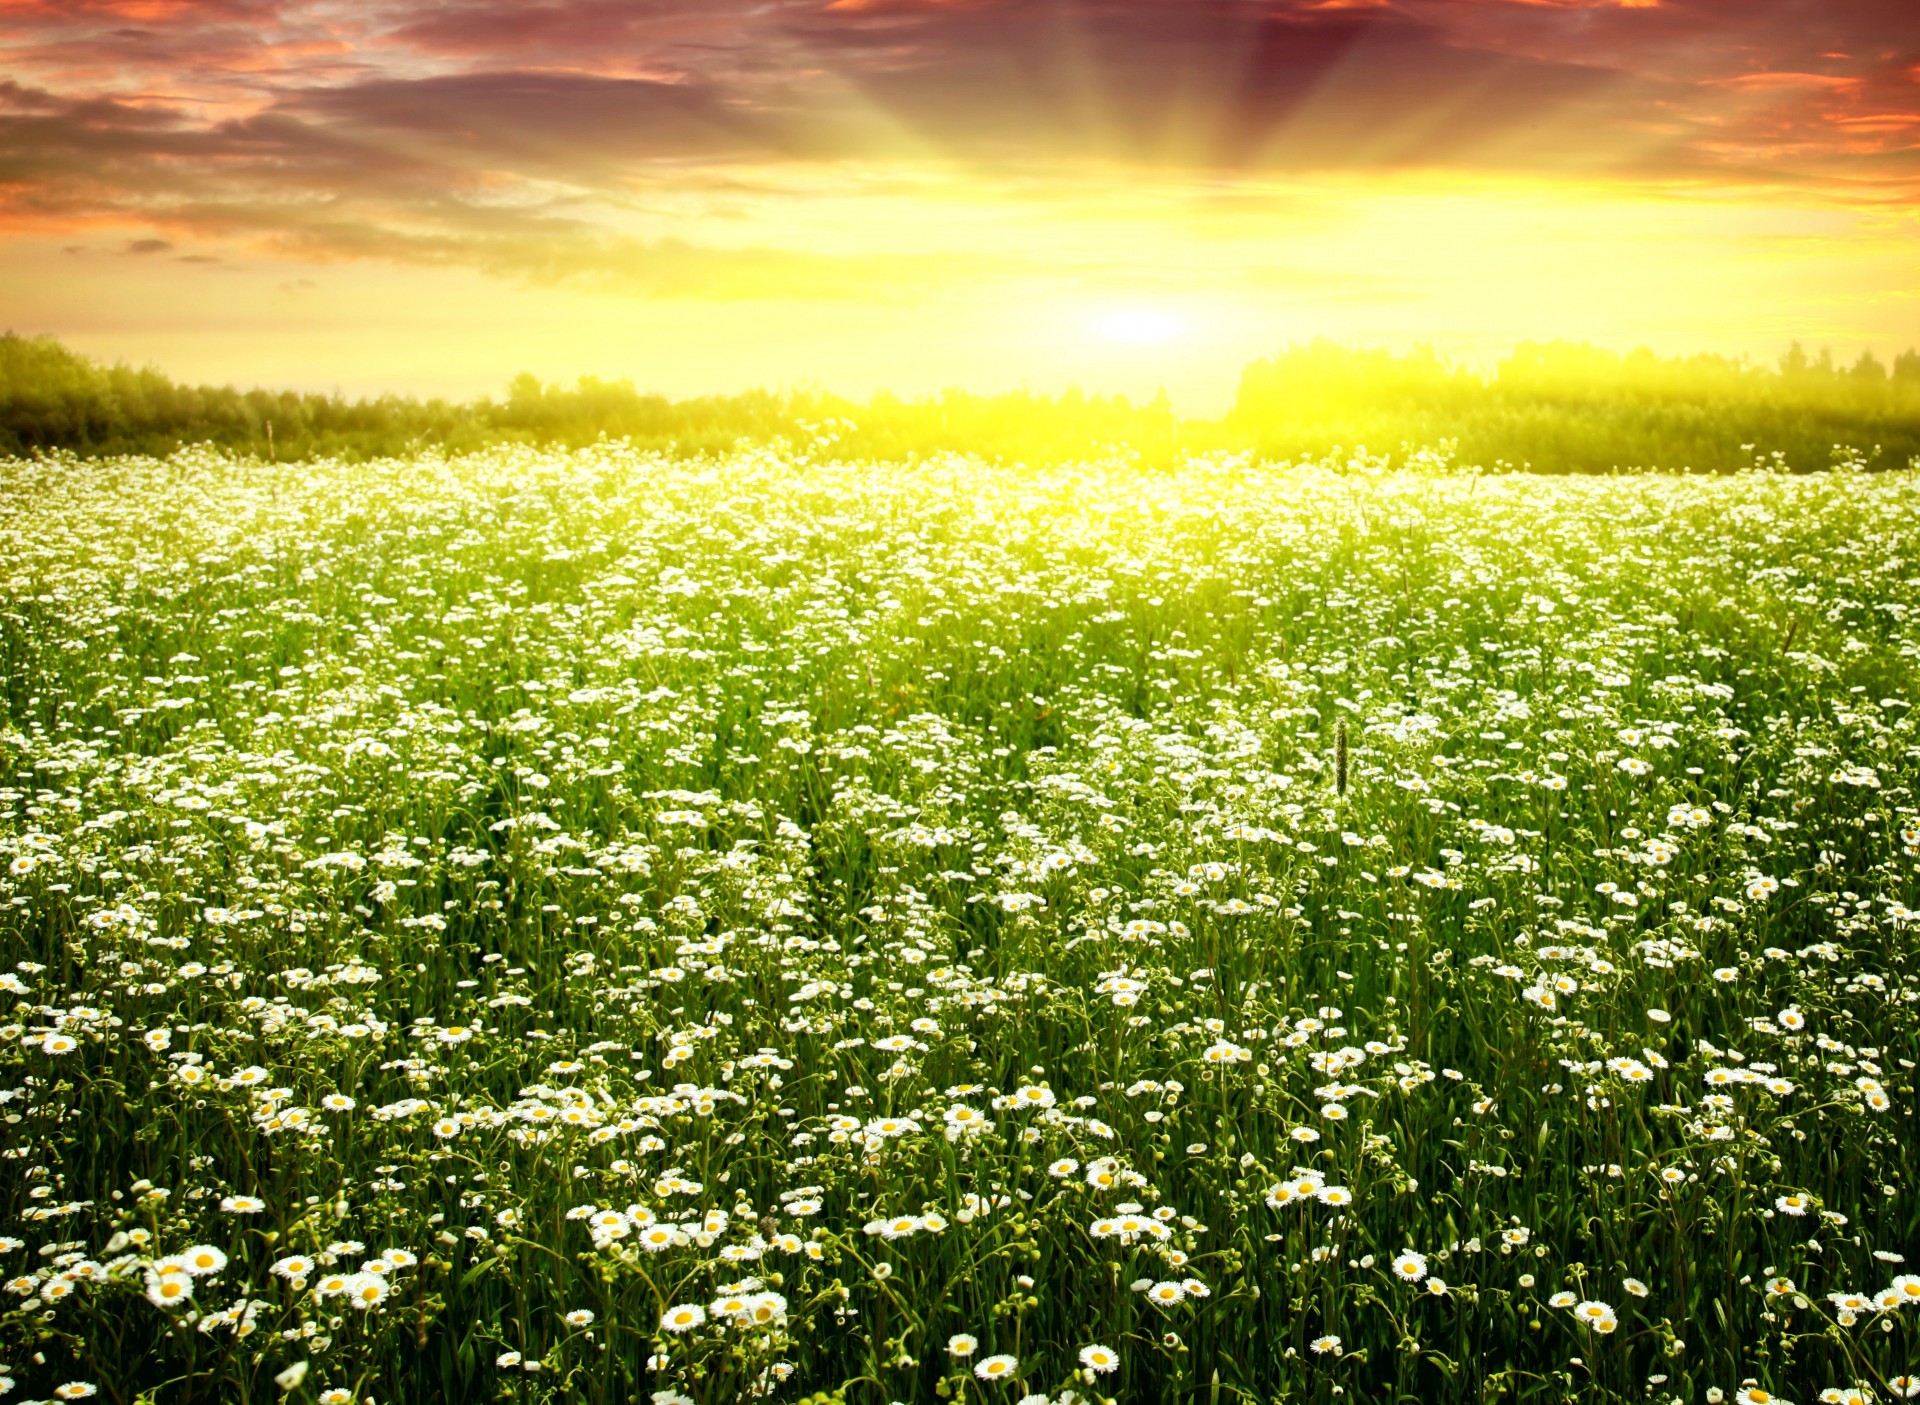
(907, 194)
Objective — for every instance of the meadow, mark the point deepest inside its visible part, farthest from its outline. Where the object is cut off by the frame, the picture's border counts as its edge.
(604, 926)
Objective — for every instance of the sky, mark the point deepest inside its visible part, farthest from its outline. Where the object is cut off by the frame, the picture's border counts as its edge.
(429, 196)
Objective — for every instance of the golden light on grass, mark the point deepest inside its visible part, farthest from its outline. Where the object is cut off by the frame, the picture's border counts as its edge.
(1220, 841)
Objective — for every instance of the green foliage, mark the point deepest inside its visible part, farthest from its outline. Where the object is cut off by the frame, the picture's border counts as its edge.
(52, 399)
(1562, 407)
(1552, 408)
(608, 927)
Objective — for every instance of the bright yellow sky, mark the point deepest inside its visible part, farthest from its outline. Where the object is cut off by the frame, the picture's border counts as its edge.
(1130, 291)
(912, 194)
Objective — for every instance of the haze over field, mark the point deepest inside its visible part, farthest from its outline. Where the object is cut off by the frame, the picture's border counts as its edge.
(913, 194)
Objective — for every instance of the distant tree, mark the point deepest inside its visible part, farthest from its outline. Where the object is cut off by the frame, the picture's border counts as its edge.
(1558, 406)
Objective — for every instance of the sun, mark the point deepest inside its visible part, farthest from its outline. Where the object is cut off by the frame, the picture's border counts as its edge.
(1138, 326)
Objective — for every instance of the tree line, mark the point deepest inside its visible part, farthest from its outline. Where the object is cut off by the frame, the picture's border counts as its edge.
(1553, 406)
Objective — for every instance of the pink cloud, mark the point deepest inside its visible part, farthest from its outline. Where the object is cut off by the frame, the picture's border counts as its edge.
(412, 117)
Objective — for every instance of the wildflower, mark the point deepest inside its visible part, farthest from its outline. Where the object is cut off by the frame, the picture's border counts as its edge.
(1634, 1287)
(994, 1368)
(962, 1345)
(366, 1291)
(1165, 1294)
(76, 1390)
(169, 1290)
(291, 1378)
(655, 1238)
(1324, 1346)
(1792, 1204)
(962, 1119)
(1597, 1315)
(1102, 1359)
(683, 1318)
(579, 1317)
(1410, 1267)
(243, 1204)
(203, 1259)
(766, 1309)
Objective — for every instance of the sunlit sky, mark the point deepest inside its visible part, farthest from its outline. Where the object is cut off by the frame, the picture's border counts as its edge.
(706, 195)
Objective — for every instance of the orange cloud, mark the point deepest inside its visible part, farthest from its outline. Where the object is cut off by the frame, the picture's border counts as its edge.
(610, 141)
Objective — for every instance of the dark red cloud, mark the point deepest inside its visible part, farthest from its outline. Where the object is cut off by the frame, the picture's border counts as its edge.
(401, 125)
(549, 123)
(1206, 84)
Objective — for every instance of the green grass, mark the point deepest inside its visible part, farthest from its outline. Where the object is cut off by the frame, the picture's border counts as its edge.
(702, 839)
